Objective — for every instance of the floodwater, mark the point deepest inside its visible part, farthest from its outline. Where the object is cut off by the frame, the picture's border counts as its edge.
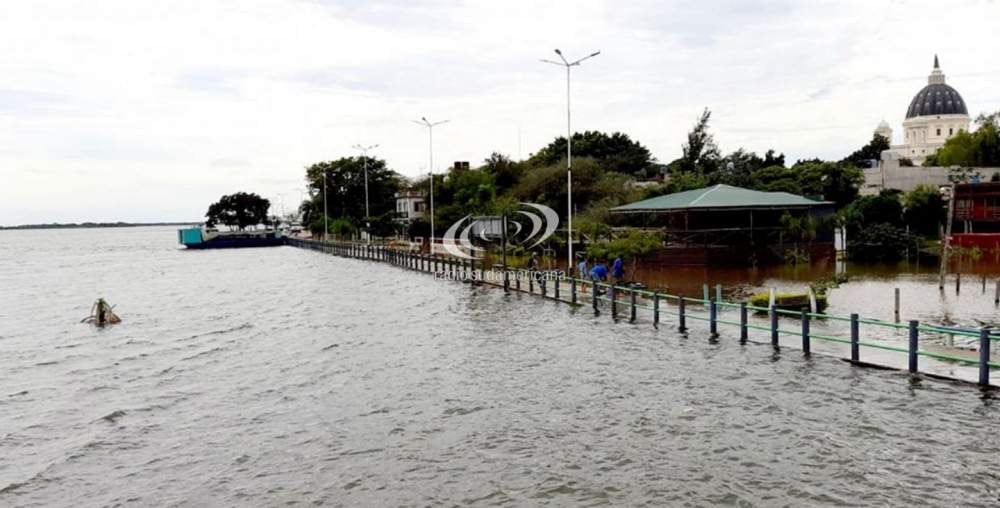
(283, 376)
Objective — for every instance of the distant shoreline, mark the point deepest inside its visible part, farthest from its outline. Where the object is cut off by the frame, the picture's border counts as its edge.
(89, 225)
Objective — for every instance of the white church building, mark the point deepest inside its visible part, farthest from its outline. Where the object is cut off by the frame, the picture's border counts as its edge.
(935, 114)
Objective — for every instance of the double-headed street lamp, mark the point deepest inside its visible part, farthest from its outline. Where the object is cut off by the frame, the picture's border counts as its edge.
(569, 155)
(364, 153)
(430, 133)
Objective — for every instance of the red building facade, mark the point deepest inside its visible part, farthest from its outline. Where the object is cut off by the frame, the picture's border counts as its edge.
(977, 216)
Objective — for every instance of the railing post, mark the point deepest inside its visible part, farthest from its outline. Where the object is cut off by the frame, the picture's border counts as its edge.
(713, 326)
(572, 291)
(774, 326)
(805, 333)
(743, 323)
(656, 308)
(681, 318)
(593, 296)
(914, 345)
(855, 338)
(984, 356)
(632, 313)
(614, 301)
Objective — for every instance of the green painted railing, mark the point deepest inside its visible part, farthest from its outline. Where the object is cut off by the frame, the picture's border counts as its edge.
(626, 302)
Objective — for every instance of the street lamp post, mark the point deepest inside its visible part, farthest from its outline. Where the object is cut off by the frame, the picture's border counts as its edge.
(326, 217)
(364, 153)
(569, 154)
(430, 143)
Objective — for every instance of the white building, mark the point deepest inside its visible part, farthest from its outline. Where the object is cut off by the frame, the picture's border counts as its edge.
(410, 205)
(935, 114)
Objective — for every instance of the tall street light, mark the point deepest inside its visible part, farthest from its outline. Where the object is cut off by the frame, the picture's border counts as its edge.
(430, 133)
(364, 153)
(326, 216)
(569, 155)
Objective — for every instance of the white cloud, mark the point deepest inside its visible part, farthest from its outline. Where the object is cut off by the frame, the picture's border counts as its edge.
(140, 110)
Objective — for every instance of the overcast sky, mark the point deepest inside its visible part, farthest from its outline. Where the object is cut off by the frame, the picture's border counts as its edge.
(149, 110)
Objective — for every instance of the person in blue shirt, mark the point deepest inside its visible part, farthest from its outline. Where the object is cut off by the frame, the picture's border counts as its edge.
(599, 272)
(618, 269)
(582, 267)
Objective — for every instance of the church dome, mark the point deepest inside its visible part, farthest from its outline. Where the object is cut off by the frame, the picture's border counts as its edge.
(936, 98)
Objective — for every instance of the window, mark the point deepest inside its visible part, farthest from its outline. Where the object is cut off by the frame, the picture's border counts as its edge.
(939, 132)
(951, 130)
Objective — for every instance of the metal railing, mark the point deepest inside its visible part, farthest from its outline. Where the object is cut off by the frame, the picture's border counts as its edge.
(627, 302)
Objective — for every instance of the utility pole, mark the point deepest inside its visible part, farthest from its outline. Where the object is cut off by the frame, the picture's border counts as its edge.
(364, 154)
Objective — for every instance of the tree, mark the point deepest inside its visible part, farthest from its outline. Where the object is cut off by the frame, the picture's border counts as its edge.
(972, 149)
(345, 187)
(240, 210)
(615, 152)
(868, 211)
(506, 172)
(700, 153)
(862, 157)
(880, 242)
(924, 210)
(837, 182)
(591, 184)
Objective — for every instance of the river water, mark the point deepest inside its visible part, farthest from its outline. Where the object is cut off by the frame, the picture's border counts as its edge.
(283, 376)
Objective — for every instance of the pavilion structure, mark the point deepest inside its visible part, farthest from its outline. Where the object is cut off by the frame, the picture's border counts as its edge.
(723, 224)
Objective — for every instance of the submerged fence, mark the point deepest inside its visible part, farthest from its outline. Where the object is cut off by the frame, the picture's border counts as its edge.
(626, 303)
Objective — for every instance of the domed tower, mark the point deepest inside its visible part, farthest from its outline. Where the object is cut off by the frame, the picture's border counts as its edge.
(935, 114)
(884, 130)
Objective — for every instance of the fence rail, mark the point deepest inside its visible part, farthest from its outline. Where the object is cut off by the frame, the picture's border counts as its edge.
(625, 302)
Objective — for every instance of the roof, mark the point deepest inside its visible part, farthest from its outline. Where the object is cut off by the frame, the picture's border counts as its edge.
(936, 98)
(719, 197)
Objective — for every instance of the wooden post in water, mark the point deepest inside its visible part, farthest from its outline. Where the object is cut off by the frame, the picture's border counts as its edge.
(744, 331)
(681, 318)
(531, 281)
(805, 333)
(517, 280)
(914, 345)
(896, 307)
(632, 314)
(555, 288)
(542, 284)
(774, 325)
(855, 338)
(984, 356)
(958, 282)
(572, 290)
(713, 327)
(984, 284)
(946, 238)
(656, 309)
(996, 295)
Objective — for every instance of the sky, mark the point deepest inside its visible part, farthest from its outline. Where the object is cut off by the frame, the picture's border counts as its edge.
(140, 110)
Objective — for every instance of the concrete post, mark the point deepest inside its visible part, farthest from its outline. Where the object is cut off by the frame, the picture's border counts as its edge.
(744, 331)
(614, 301)
(855, 338)
(774, 325)
(713, 326)
(632, 314)
(984, 356)
(656, 309)
(681, 318)
(805, 333)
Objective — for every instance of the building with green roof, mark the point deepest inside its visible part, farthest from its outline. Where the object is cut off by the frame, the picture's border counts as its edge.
(733, 225)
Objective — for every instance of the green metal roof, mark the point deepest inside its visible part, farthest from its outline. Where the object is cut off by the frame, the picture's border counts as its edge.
(719, 196)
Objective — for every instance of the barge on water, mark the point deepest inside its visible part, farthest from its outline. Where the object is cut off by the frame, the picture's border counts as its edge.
(199, 238)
